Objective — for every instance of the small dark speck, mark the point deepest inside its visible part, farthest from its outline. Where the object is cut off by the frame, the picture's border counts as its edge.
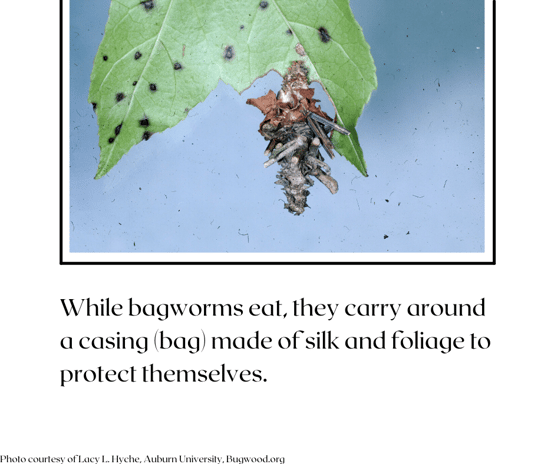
(94, 106)
(242, 27)
(119, 96)
(144, 122)
(229, 53)
(264, 5)
(134, 83)
(110, 140)
(289, 32)
(118, 129)
(146, 135)
(148, 5)
(324, 35)
(177, 66)
(408, 233)
(153, 87)
(138, 55)
(105, 57)
(387, 201)
(245, 235)
(386, 236)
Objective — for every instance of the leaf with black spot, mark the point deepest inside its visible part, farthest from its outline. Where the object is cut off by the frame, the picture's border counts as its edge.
(161, 30)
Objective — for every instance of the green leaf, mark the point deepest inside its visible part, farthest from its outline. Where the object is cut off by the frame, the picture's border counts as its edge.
(160, 58)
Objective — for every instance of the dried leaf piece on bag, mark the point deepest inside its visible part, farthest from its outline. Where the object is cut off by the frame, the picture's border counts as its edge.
(295, 137)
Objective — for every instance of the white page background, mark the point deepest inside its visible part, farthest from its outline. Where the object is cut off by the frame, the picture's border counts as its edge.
(317, 406)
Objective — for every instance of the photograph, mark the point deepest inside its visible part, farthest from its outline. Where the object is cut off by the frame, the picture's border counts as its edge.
(306, 130)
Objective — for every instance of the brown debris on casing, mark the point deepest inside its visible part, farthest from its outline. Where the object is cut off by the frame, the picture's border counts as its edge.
(292, 104)
(315, 127)
(295, 138)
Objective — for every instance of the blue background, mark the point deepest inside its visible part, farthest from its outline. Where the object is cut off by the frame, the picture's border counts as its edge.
(201, 186)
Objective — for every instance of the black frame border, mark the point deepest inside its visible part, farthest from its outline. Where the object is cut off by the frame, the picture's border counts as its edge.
(340, 263)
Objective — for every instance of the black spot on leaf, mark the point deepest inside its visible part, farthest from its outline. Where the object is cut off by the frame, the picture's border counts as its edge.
(134, 83)
(94, 106)
(324, 35)
(153, 87)
(119, 96)
(110, 140)
(148, 5)
(229, 53)
(118, 129)
(138, 55)
(177, 66)
(241, 27)
(105, 57)
(146, 135)
(144, 122)
(264, 5)
(289, 32)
